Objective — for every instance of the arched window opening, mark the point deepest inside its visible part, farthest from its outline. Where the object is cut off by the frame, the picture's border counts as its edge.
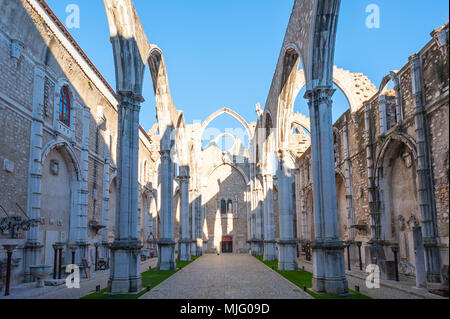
(230, 207)
(223, 207)
(145, 173)
(257, 155)
(268, 126)
(291, 59)
(307, 171)
(389, 105)
(64, 106)
(337, 146)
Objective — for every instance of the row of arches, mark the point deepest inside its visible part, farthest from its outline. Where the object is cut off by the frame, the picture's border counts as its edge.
(396, 200)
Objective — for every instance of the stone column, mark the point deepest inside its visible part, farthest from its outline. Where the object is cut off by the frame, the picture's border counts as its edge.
(348, 184)
(105, 201)
(78, 229)
(297, 208)
(166, 244)
(302, 221)
(287, 254)
(269, 227)
(259, 219)
(125, 274)
(424, 173)
(202, 217)
(248, 214)
(32, 248)
(198, 225)
(254, 224)
(353, 249)
(250, 209)
(185, 252)
(383, 114)
(398, 99)
(421, 281)
(139, 217)
(328, 251)
(375, 252)
(193, 224)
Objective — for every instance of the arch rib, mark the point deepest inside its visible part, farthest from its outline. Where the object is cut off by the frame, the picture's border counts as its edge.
(230, 112)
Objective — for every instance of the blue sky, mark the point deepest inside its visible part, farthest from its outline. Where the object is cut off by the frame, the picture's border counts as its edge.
(223, 53)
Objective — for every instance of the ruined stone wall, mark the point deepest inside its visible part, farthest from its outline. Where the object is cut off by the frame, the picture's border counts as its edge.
(436, 83)
(386, 152)
(16, 79)
(63, 64)
(224, 181)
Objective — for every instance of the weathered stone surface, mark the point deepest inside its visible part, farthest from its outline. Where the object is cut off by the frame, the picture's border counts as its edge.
(389, 160)
(29, 110)
(226, 277)
(382, 186)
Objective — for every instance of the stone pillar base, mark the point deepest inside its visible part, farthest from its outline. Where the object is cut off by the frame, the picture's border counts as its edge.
(204, 247)
(257, 247)
(193, 246)
(124, 286)
(433, 278)
(329, 268)
(125, 275)
(374, 253)
(270, 250)
(166, 257)
(330, 286)
(82, 253)
(253, 249)
(199, 247)
(32, 256)
(184, 250)
(287, 255)
(432, 261)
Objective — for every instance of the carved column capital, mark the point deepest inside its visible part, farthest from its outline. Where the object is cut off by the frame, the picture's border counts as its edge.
(165, 154)
(129, 95)
(131, 101)
(319, 95)
(184, 178)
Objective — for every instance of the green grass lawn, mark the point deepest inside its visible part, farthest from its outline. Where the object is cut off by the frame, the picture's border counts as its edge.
(302, 278)
(151, 277)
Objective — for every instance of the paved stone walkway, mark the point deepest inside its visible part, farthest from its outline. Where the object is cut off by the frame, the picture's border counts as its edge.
(226, 277)
(87, 286)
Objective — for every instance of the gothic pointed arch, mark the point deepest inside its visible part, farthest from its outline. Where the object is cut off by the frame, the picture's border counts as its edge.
(130, 46)
(269, 144)
(302, 121)
(237, 168)
(230, 112)
(404, 139)
(68, 153)
(357, 87)
(167, 115)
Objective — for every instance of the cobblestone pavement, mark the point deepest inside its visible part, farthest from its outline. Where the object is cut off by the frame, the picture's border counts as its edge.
(87, 286)
(226, 277)
(388, 289)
